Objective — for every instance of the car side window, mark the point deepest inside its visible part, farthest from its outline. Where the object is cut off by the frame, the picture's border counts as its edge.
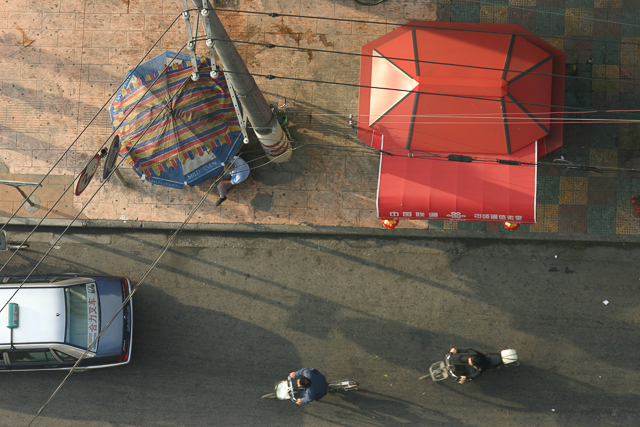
(64, 356)
(30, 356)
(3, 364)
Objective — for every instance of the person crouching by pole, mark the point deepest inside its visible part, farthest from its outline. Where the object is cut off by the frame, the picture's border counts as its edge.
(238, 172)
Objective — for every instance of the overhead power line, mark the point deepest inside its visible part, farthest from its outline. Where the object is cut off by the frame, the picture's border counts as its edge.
(422, 61)
(354, 85)
(73, 143)
(459, 157)
(77, 177)
(90, 199)
(423, 25)
(159, 256)
(124, 303)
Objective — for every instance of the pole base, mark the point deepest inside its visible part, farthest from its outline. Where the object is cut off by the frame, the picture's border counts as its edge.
(279, 151)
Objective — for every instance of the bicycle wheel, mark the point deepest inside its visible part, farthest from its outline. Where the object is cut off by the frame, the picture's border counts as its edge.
(343, 385)
(369, 2)
(269, 396)
(353, 386)
(438, 371)
(16, 247)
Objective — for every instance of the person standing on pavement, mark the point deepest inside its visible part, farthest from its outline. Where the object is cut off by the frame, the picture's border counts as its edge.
(314, 382)
(238, 172)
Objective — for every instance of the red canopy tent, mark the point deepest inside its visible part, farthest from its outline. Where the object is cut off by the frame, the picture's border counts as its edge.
(435, 89)
(437, 189)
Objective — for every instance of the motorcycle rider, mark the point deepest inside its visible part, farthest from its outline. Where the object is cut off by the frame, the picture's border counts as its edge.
(314, 383)
(468, 363)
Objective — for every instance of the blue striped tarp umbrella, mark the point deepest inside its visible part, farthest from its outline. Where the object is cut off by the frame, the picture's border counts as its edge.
(175, 131)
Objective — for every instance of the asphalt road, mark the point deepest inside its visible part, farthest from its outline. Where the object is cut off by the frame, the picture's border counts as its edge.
(222, 318)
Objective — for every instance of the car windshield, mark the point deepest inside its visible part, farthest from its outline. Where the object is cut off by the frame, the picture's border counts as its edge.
(83, 315)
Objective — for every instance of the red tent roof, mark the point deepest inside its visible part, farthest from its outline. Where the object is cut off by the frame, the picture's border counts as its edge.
(497, 100)
(431, 89)
(434, 188)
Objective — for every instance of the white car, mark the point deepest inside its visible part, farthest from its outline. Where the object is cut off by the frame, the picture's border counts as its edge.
(52, 320)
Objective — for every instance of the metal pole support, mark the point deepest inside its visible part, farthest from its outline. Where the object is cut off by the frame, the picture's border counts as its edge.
(16, 184)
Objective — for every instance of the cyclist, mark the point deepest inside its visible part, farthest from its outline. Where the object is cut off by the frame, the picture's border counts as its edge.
(314, 383)
(468, 363)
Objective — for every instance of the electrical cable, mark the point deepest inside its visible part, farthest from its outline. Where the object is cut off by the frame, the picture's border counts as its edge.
(126, 300)
(133, 291)
(424, 25)
(500, 120)
(151, 267)
(71, 186)
(267, 76)
(273, 77)
(421, 61)
(78, 137)
(90, 199)
(492, 117)
(158, 257)
(420, 154)
(154, 263)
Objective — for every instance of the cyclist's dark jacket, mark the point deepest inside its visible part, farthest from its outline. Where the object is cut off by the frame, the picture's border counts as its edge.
(318, 387)
(462, 367)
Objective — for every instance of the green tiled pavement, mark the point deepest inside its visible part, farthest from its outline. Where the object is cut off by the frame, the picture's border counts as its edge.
(601, 40)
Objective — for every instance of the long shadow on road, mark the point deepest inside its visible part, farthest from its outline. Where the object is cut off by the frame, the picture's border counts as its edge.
(190, 366)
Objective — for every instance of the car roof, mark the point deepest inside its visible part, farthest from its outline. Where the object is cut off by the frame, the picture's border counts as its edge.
(41, 315)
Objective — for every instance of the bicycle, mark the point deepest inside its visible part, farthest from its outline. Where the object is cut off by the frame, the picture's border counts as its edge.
(287, 390)
(6, 246)
(442, 370)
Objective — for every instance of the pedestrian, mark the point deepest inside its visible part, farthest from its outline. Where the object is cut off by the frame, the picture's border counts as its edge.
(238, 171)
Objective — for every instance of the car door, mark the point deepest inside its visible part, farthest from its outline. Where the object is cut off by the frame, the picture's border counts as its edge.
(3, 364)
(67, 360)
(32, 359)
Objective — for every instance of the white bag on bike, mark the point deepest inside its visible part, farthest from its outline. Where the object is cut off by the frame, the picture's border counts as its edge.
(509, 356)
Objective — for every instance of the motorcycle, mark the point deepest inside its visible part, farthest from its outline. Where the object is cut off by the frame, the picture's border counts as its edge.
(444, 369)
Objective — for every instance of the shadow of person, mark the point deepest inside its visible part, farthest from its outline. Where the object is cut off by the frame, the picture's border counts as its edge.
(528, 389)
(364, 407)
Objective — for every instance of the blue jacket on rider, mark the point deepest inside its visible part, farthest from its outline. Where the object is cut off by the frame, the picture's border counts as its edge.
(318, 387)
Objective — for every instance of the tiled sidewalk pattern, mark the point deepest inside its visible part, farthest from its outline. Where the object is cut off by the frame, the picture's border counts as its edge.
(601, 41)
(61, 60)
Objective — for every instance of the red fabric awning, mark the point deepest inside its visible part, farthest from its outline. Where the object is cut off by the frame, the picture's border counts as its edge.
(434, 89)
(461, 88)
(438, 189)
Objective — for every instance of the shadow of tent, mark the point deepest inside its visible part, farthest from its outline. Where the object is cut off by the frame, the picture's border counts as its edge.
(398, 343)
(188, 367)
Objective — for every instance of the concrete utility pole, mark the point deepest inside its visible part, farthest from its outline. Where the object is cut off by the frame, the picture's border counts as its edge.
(264, 120)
